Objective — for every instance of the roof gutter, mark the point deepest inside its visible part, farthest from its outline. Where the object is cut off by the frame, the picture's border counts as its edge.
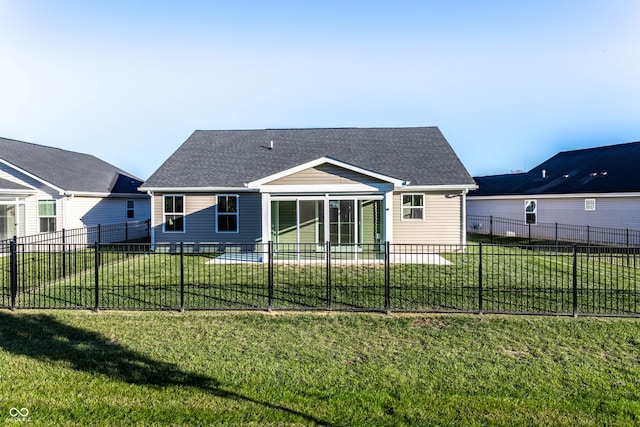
(448, 187)
(195, 189)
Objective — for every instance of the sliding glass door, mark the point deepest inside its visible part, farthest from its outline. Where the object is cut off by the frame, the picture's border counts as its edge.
(12, 219)
(345, 222)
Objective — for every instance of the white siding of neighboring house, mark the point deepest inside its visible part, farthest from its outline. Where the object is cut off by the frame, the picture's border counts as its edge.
(74, 212)
(83, 211)
(611, 211)
(42, 192)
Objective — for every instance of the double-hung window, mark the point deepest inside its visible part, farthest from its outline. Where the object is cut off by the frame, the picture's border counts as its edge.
(131, 213)
(174, 213)
(531, 211)
(227, 214)
(412, 206)
(47, 215)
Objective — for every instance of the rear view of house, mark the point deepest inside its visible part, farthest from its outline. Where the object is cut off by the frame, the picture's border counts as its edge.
(45, 189)
(345, 186)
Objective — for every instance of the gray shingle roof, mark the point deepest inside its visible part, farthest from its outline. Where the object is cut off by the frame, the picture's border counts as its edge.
(608, 169)
(231, 158)
(68, 170)
(10, 185)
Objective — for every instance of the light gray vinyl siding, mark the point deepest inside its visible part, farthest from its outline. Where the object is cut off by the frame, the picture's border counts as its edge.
(611, 212)
(200, 219)
(89, 211)
(512, 208)
(442, 223)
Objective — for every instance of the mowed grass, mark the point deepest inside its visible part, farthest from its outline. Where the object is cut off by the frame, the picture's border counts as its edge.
(342, 369)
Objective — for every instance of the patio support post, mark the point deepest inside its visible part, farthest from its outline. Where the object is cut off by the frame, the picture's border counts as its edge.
(13, 271)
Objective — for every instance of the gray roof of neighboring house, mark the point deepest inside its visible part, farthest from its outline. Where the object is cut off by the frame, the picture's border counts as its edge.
(231, 158)
(608, 169)
(68, 170)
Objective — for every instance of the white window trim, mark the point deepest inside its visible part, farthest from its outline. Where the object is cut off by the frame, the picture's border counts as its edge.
(237, 213)
(535, 211)
(402, 207)
(589, 204)
(184, 214)
(55, 216)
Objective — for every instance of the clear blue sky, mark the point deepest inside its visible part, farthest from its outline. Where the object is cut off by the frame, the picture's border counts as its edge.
(509, 83)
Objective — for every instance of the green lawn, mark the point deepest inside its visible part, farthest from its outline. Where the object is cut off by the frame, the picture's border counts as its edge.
(213, 368)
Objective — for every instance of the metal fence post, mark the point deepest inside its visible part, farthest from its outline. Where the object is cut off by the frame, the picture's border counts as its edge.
(126, 231)
(99, 233)
(491, 229)
(480, 308)
(270, 274)
(328, 274)
(13, 285)
(575, 280)
(181, 277)
(97, 277)
(387, 277)
(64, 254)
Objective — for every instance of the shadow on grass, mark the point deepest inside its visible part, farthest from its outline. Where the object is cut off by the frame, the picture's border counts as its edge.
(44, 338)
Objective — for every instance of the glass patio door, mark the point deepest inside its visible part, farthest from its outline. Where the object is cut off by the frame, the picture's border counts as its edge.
(7, 221)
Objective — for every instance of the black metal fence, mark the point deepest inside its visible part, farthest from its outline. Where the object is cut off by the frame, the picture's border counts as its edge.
(504, 230)
(479, 278)
(122, 232)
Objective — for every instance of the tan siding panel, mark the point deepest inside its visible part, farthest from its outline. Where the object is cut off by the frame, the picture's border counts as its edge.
(325, 174)
(442, 224)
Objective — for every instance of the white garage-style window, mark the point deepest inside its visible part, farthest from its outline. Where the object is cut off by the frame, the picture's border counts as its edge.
(412, 206)
(227, 213)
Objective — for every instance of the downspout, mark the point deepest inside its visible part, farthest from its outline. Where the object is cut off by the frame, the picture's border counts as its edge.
(463, 200)
(152, 222)
(65, 200)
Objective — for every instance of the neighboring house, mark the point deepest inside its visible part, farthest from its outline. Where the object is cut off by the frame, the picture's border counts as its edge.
(44, 189)
(346, 186)
(598, 187)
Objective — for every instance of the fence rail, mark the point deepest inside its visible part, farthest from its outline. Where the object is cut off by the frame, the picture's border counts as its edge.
(504, 230)
(480, 278)
(122, 232)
